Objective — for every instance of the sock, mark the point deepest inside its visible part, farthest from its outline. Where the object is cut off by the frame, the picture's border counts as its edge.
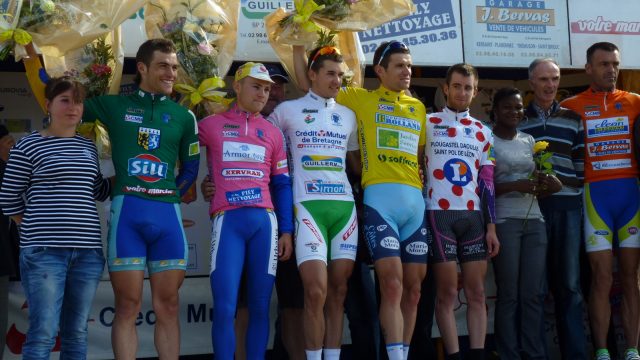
(394, 351)
(454, 356)
(405, 351)
(314, 354)
(631, 353)
(476, 354)
(331, 354)
(602, 353)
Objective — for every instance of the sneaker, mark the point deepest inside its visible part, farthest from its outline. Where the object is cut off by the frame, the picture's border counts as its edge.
(602, 354)
(631, 354)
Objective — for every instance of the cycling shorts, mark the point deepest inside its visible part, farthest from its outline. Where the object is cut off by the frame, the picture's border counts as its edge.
(394, 223)
(326, 229)
(146, 233)
(611, 212)
(457, 235)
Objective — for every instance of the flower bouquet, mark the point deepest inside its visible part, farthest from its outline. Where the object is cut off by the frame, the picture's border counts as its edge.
(59, 26)
(299, 27)
(541, 158)
(10, 34)
(346, 41)
(204, 32)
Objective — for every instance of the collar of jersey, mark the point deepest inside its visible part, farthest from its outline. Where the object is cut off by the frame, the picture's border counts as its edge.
(330, 102)
(144, 94)
(391, 96)
(235, 110)
(596, 92)
(456, 114)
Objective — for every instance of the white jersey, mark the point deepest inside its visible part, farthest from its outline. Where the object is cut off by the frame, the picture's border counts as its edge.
(318, 132)
(457, 146)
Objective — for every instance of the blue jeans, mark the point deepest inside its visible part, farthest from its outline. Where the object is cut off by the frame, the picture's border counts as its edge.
(59, 284)
(564, 231)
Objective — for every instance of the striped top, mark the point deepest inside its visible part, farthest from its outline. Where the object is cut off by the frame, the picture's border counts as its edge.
(54, 182)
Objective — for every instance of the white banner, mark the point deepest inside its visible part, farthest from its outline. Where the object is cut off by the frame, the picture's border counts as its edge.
(592, 21)
(252, 42)
(432, 33)
(513, 33)
(195, 321)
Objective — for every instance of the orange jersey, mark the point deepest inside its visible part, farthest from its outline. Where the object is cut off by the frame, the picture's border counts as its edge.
(607, 118)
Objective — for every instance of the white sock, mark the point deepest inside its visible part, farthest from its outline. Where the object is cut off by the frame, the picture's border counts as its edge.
(405, 351)
(395, 351)
(331, 354)
(314, 354)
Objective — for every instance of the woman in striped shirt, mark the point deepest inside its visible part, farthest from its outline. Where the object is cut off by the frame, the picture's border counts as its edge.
(51, 182)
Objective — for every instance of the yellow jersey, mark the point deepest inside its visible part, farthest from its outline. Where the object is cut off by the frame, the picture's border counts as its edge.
(391, 129)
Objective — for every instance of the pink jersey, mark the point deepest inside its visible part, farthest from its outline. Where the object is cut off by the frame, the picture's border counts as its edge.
(243, 151)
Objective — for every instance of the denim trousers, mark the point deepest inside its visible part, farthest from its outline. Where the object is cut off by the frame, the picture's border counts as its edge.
(520, 271)
(59, 284)
(564, 231)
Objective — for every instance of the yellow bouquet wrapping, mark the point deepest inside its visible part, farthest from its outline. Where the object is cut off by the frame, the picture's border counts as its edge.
(299, 27)
(346, 41)
(204, 32)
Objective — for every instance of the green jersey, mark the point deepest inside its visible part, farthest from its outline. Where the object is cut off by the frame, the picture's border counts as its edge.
(148, 134)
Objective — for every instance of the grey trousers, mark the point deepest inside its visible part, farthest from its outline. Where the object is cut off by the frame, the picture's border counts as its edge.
(520, 272)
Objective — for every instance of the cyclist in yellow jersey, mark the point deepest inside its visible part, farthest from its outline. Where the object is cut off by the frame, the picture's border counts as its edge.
(391, 132)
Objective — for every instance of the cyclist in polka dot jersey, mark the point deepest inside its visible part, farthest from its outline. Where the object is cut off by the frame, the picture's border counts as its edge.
(459, 201)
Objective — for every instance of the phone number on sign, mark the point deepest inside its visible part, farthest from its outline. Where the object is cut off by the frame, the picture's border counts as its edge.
(416, 40)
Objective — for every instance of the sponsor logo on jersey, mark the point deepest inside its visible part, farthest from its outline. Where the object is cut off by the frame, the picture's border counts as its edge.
(320, 138)
(230, 133)
(618, 106)
(143, 190)
(336, 119)
(610, 147)
(601, 232)
(381, 227)
(166, 118)
(242, 173)
(260, 134)
(350, 230)
(397, 160)
(398, 140)
(324, 187)
(194, 148)
(423, 231)
(230, 126)
(458, 172)
(607, 127)
(611, 164)
(385, 107)
(133, 118)
(309, 111)
(281, 164)
(468, 132)
(134, 110)
(312, 228)
(632, 230)
(348, 247)
(309, 119)
(390, 243)
(406, 123)
(147, 168)
(148, 138)
(238, 151)
(592, 113)
(244, 197)
(321, 162)
(417, 248)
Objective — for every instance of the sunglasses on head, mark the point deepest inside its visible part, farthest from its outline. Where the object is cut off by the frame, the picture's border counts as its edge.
(392, 45)
(326, 50)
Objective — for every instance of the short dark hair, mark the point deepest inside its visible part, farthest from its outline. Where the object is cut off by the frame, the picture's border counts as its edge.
(146, 50)
(604, 45)
(500, 95)
(384, 62)
(316, 62)
(56, 86)
(463, 69)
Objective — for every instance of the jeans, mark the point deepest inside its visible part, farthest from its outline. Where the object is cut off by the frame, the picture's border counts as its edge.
(520, 270)
(564, 231)
(59, 284)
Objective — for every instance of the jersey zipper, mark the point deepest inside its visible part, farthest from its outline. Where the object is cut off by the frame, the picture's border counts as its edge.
(605, 101)
(246, 124)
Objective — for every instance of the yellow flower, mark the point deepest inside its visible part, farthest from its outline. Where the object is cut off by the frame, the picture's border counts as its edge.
(540, 146)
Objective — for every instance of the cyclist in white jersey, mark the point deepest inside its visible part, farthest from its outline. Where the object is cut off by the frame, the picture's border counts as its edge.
(320, 136)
